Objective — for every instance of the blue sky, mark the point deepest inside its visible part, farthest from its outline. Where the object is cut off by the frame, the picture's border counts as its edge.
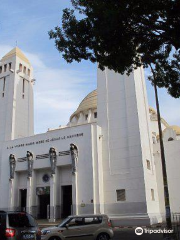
(59, 86)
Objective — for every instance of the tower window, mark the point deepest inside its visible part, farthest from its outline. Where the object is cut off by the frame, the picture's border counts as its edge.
(148, 164)
(29, 72)
(95, 114)
(86, 116)
(121, 195)
(4, 84)
(23, 88)
(152, 195)
(5, 67)
(20, 67)
(10, 64)
(24, 70)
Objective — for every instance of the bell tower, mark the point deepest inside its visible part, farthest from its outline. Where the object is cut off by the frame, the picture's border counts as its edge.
(16, 96)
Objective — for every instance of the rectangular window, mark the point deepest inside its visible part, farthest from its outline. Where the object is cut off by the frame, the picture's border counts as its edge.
(20, 67)
(0, 69)
(148, 164)
(10, 65)
(121, 195)
(152, 195)
(5, 67)
(95, 114)
(86, 116)
(23, 88)
(24, 70)
(29, 72)
(4, 84)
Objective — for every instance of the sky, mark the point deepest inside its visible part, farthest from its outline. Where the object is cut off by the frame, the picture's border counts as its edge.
(59, 87)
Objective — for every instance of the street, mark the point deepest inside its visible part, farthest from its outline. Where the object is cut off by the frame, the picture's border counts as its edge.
(124, 234)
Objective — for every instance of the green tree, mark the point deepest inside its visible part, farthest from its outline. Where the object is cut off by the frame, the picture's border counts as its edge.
(123, 35)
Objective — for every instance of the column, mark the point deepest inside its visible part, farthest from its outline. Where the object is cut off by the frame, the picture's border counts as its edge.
(30, 162)
(29, 195)
(11, 194)
(52, 198)
(89, 116)
(74, 194)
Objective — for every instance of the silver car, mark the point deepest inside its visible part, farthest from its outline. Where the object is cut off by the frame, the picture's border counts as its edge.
(84, 227)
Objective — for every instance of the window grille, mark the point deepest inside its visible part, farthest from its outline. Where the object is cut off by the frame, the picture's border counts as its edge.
(121, 195)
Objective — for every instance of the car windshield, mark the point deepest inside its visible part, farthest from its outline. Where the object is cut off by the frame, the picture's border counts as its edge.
(64, 222)
(21, 220)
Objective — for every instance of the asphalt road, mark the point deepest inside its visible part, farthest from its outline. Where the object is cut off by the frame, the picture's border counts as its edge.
(129, 234)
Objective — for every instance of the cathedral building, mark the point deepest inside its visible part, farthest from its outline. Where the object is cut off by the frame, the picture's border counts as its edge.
(105, 160)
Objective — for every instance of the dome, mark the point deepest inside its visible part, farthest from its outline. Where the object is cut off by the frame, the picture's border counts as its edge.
(176, 129)
(89, 102)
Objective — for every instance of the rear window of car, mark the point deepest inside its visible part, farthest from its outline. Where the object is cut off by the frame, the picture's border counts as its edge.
(21, 220)
(2, 220)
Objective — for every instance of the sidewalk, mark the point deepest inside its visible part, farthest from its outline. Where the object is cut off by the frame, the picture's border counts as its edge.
(45, 223)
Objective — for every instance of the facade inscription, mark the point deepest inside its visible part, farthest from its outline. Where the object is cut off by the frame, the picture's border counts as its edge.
(45, 140)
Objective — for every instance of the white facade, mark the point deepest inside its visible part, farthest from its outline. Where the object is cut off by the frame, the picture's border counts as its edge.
(116, 167)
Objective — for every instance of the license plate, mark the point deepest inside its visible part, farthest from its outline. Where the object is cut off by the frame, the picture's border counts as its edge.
(28, 236)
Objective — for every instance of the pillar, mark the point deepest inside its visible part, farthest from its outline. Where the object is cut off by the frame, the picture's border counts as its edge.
(11, 195)
(75, 210)
(53, 198)
(29, 195)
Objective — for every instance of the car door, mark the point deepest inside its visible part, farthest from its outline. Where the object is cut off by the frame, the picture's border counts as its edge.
(74, 229)
(2, 225)
(91, 226)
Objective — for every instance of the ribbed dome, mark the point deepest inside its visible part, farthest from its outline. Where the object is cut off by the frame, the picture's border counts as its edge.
(176, 129)
(89, 102)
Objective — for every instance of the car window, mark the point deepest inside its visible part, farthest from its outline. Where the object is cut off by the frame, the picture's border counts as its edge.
(64, 222)
(21, 220)
(76, 222)
(2, 220)
(92, 220)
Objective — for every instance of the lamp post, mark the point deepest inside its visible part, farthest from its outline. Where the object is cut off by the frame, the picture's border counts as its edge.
(163, 161)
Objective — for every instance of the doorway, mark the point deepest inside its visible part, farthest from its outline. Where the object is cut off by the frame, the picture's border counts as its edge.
(23, 197)
(44, 201)
(66, 200)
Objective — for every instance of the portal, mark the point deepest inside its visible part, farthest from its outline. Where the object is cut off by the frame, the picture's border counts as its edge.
(44, 202)
(23, 197)
(66, 200)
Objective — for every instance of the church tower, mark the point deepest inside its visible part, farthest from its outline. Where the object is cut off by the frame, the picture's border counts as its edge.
(16, 96)
(128, 168)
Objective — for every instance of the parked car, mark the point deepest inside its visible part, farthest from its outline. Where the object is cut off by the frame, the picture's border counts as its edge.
(84, 227)
(18, 226)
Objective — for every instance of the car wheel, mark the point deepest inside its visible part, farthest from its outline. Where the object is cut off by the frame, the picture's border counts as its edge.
(54, 238)
(103, 236)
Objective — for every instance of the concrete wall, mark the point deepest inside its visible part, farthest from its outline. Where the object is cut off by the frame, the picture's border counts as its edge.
(40, 144)
(172, 153)
(123, 116)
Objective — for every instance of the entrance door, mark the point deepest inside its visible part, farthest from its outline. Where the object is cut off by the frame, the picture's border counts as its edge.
(44, 201)
(23, 197)
(66, 200)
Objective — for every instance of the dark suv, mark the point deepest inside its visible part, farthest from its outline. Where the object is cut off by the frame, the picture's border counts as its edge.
(18, 226)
